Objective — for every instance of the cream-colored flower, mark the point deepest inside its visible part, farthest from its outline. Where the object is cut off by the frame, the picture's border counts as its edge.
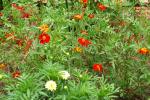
(64, 75)
(51, 85)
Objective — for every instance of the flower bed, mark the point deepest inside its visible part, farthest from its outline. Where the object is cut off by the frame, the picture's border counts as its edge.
(74, 50)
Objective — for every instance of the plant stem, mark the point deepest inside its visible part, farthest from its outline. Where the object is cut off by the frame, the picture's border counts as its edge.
(1, 5)
(66, 1)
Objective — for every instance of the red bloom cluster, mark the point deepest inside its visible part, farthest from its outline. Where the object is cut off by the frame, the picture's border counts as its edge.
(25, 15)
(16, 74)
(10, 36)
(101, 7)
(84, 42)
(85, 1)
(1, 14)
(143, 51)
(28, 45)
(98, 67)
(21, 9)
(19, 42)
(44, 38)
(91, 16)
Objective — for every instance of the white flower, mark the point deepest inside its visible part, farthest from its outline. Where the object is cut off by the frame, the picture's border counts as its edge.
(51, 85)
(64, 75)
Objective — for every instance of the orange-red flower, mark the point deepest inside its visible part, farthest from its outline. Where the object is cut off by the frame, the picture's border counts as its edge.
(25, 15)
(91, 16)
(44, 38)
(85, 1)
(2, 66)
(1, 39)
(16, 74)
(19, 42)
(20, 8)
(1, 14)
(84, 42)
(28, 45)
(10, 36)
(101, 7)
(77, 17)
(14, 5)
(143, 51)
(98, 67)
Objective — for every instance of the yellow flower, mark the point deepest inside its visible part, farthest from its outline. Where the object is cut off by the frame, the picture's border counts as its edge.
(2, 66)
(51, 85)
(80, 76)
(77, 17)
(64, 75)
(1, 76)
(143, 51)
(44, 28)
(77, 49)
(65, 87)
(67, 53)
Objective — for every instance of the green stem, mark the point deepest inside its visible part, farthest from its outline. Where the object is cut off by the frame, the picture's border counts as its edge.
(1, 5)
(66, 1)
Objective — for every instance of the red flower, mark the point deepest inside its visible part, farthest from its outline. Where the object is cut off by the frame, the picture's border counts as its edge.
(1, 14)
(101, 7)
(16, 74)
(20, 8)
(25, 15)
(91, 16)
(10, 36)
(44, 38)
(1, 39)
(84, 42)
(19, 42)
(98, 67)
(28, 45)
(14, 5)
(143, 51)
(85, 1)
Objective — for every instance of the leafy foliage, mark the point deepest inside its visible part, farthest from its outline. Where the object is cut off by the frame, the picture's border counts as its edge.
(77, 36)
